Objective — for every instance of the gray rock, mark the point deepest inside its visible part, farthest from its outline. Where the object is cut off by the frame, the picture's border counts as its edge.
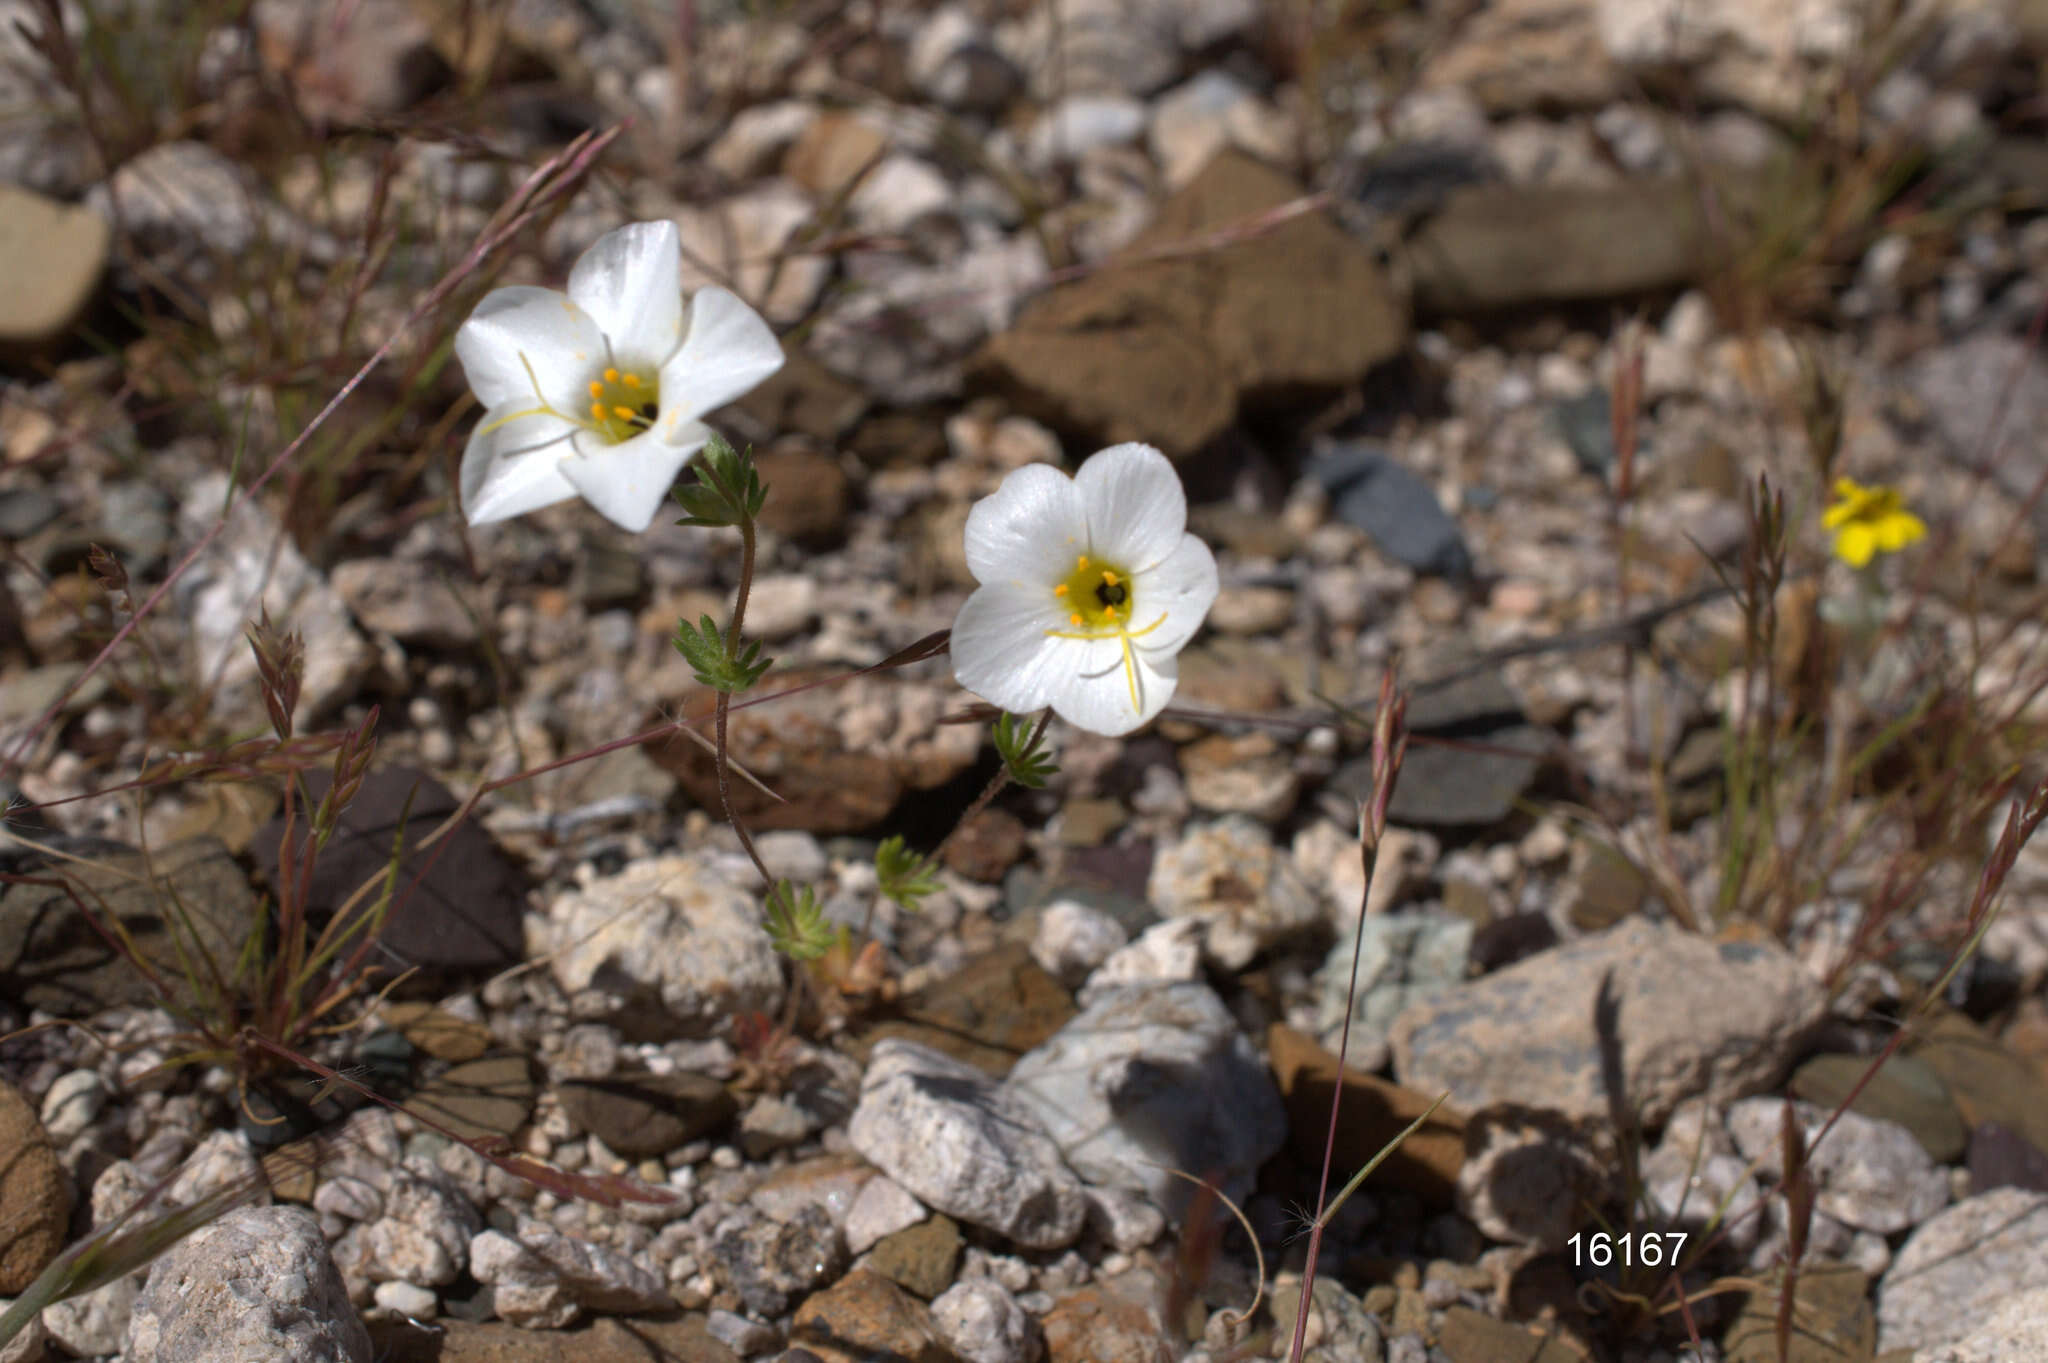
(1371, 490)
(1072, 939)
(1473, 782)
(1229, 875)
(674, 931)
(772, 1123)
(1148, 1080)
(772, 1263)
(881, 1208)
(1165, 953)
(420, 1235)
(544, 1280)
(2015, 1330)
(72, 1103)
(255, 1285)
(1402, 958)
(254, 565)
(1964, 386)
(408, 601)
(953, 60)
(966, 1145)
(1870, 1173)
(1954, 1271)
(980, 1321)
(1676, 1014)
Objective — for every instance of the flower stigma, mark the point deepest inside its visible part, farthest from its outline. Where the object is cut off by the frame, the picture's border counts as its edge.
(1099, 605)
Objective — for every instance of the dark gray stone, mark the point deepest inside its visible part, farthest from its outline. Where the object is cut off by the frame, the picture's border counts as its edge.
(1369, 489)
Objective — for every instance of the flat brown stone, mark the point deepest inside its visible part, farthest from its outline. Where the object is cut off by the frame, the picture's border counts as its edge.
(643, 1339)
(1373, 1112)
(865, 1318)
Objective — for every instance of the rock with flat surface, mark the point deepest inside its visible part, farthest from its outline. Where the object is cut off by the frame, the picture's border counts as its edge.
(55, 256)
(1145, 1080)
(35, 1194)
(1954, 1270)
(1669, 1012)
(966, 1145)
(1870, 1173)
(673, 932)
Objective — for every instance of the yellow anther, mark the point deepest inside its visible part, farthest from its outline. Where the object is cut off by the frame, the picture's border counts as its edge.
(1074, 619)
(1081, 563)
(624, 413)
(1060, 590)
(1109, 577)
(596, 389)
(631, 380)
(1109, 611)
(597, 411)
(611, 376)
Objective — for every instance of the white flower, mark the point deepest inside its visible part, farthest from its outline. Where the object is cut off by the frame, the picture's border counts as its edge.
(1090, 587)
(596, 393)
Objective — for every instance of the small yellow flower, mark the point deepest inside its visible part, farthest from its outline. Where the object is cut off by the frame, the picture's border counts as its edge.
(1869, 521)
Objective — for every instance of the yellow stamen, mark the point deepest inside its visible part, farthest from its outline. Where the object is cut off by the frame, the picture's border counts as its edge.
(611, 376)
(1081, 564)
(624, 413)
(1109, 577)
(596, 389)
(597, 412)
(631, 380)
(1060, 590)
(1072, 620)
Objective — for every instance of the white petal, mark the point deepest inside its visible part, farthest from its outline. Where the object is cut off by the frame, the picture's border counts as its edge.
(1002, 650)
(631, 282)
(520, 329)
(1182, 586)
(627, 482)
(512, 468)
(1027, 532)
(1100, 702)
(727, 350)
(1137, 510)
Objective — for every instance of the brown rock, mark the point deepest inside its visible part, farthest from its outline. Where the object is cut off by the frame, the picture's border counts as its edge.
(55, 253)
(839, 756)
(651, 1114)
(807, 494)
(865, 1318)
(988, 1013)
(644, 1339)
(436, 1031)
(833, 152)
(1165, 350)
(987, 845)
(1495, 247)
(920, 1258)
(1831, 1305)
(1515, 56)
(52, 958)
(1469, 1336)
(805, 398)
(1114, 1320)
(1373, 1112)
(1987, 1082)
(479, 1098)
(35, 1194)
(1905, 1090)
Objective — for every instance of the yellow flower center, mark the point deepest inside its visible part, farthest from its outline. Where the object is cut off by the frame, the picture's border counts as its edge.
(1099, 602)
(1097, 596)
(623, 404)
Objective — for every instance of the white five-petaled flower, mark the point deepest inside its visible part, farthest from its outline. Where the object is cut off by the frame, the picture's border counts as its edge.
(1090, 587)
(597, 392)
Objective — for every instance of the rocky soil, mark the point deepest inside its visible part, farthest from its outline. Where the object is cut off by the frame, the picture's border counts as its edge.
(1380, 279)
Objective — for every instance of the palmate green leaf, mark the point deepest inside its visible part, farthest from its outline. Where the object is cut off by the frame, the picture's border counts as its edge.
(904, 876)
(797, 924)
(1023, 751)
(703, 648)
(728, 490)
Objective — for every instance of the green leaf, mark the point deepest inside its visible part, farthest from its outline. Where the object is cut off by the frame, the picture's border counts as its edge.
(728, 490)
(797, 924)
(904, 876)
(1023, 751)
(703, 647)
